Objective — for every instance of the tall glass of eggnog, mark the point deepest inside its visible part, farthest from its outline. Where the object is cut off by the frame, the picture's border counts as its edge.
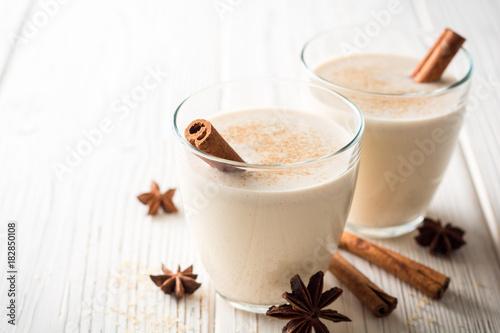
(411, 128)
(282, 211)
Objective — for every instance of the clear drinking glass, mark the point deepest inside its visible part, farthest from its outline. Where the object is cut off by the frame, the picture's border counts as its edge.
(403, 160)
(258, 227)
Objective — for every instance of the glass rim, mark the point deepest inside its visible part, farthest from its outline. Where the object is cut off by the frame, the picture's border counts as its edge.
(355, 137)
(438, 91)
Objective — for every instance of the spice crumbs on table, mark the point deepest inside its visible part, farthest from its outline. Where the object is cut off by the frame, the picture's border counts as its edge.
(424, 300)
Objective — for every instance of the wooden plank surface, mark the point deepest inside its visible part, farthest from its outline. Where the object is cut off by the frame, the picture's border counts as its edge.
(15, 20)
(86, 246)
(478, 20)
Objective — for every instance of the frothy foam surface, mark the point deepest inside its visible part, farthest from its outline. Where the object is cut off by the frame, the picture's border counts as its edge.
(385, 74)
(275, 137)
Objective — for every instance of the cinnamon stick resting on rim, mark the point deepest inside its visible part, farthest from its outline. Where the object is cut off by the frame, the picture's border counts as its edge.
(377, 301)
(432, 66)
(425, 279)
(201, 134)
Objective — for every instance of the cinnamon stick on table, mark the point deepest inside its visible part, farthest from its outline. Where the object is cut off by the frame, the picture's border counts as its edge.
(377, 301)
(432, 66)
(201, 134)
(425, 279)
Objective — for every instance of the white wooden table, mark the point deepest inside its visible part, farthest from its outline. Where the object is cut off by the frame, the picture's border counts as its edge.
(85, 244)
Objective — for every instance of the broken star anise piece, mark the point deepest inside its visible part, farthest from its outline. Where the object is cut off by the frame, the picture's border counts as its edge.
(306, 304)
(181, 282)
(155, 199)
(440, 239)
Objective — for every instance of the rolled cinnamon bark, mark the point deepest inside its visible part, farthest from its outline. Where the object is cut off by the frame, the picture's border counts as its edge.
(425, 279)
(374, 298)
(202, 135)
(432, 66)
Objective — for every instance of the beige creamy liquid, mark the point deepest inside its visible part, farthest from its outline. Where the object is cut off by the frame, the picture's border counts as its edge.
(407, 142)
(256, 229)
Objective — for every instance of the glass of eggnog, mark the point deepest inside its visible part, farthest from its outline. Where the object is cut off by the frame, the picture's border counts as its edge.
(411, 128)
(282, 211)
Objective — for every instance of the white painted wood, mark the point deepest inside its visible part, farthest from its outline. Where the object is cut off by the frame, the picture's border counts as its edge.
(13, 18)
(86, 245)
(478, 22)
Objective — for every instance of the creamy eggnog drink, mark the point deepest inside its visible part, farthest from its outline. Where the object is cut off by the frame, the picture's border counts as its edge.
(407, 143)
(282, 212)
(411, 128)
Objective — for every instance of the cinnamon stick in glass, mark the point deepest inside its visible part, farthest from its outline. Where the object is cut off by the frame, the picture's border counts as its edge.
(432, 66)
(201, 134)
(425, 279)
(377, 301)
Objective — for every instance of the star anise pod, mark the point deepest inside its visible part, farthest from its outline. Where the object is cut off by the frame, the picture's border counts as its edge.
(180, 282)
(440, 239)
(155, 199)
(306, 304)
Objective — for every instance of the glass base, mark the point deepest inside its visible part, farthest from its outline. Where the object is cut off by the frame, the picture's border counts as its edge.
(255, 308)
(384, 232)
